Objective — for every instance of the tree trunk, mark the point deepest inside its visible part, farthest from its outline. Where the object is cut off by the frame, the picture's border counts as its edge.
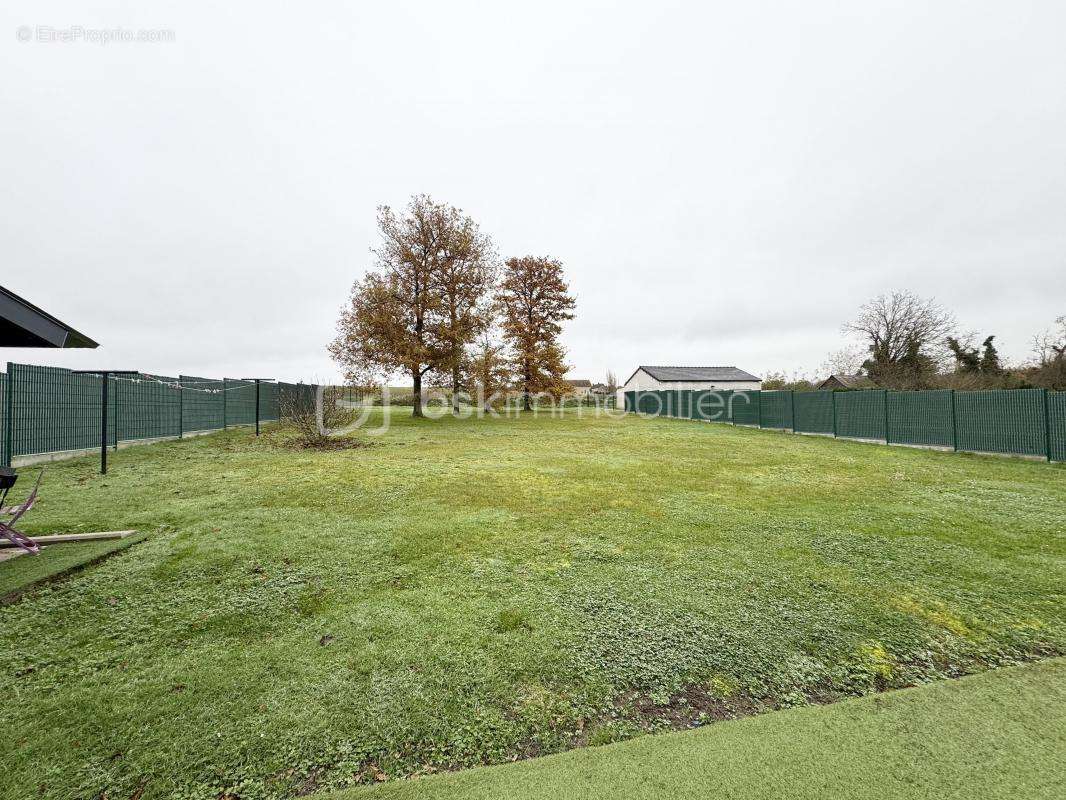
(416, 392)
(455, 389)
(525, 385)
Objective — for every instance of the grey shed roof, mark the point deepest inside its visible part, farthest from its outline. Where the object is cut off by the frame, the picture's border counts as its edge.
(698, 374)
(850, 381)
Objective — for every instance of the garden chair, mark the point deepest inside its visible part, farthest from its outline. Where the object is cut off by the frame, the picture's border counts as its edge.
(7, 526)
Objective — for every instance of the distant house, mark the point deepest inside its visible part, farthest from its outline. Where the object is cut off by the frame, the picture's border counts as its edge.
(847, 382)
(580, 388)
(599, 389)
(651, 378)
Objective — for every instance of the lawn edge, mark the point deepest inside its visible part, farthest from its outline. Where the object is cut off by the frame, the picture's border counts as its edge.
(478, 775)
(121, 545)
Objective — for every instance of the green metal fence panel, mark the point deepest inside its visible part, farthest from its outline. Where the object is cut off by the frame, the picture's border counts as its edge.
(54, 410)
(922, 418)
(268, 402)
(684, 403)
(713, 405)
(696, 405)
(776, 410)
(1056, 411)
(202, 403)
(710, 406)
(813, 412)
(861, 414)
(1023, 421)
(5, 433)
(745, 407)
(147, 407)
(1002, 421)
(240, 402)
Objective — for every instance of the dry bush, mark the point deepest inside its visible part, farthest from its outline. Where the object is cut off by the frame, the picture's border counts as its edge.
(300, 411)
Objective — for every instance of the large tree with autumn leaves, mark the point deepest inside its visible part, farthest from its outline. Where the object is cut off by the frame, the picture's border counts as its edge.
(534, 300)
(425, 301)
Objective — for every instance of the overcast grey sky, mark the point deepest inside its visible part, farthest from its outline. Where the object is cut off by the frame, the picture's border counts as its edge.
(725, 182)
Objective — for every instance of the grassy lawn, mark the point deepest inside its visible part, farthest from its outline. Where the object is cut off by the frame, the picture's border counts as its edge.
(469, 592)
(999, 734)
(55, 561)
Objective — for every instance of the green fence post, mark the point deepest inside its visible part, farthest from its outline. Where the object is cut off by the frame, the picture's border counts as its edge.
(9, 415)
(181, 408)
(758, 409)
(792, 409)
(886, 416)
(833, 397)
(1047, 426)
(117, 406)
(954, 424)
(104, 380)
(224, 393)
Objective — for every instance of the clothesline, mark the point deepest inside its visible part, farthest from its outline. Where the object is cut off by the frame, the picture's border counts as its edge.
(182, 385)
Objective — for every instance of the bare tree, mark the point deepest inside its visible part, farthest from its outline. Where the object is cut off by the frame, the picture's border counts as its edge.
(534, 301)
(300, 410)
(1049, 349)
(395, 320)
(612, 383)
(906, 338)
(846, 361)
(1050, 344)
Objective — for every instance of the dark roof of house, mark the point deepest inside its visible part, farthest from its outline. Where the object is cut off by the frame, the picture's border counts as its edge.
(667, 374)
(22, 324)
(850, 381)
(580, 384)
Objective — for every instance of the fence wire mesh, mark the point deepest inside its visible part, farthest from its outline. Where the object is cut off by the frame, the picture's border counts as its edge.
(922, 418)
(1029, 422)
(1002, 422)
(746, 408)
(813, 412)
(53, 410)
(1056, 402)
(860, 415)
(775, 409)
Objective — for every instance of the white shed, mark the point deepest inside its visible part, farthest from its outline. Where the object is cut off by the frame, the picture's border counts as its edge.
(652, 378)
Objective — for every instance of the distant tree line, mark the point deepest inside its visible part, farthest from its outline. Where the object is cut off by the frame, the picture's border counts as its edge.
(439, 307)
(908, 342)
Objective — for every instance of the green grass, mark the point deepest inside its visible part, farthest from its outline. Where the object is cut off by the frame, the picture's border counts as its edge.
(469, 592)
(19, 574)
(1000, 734)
